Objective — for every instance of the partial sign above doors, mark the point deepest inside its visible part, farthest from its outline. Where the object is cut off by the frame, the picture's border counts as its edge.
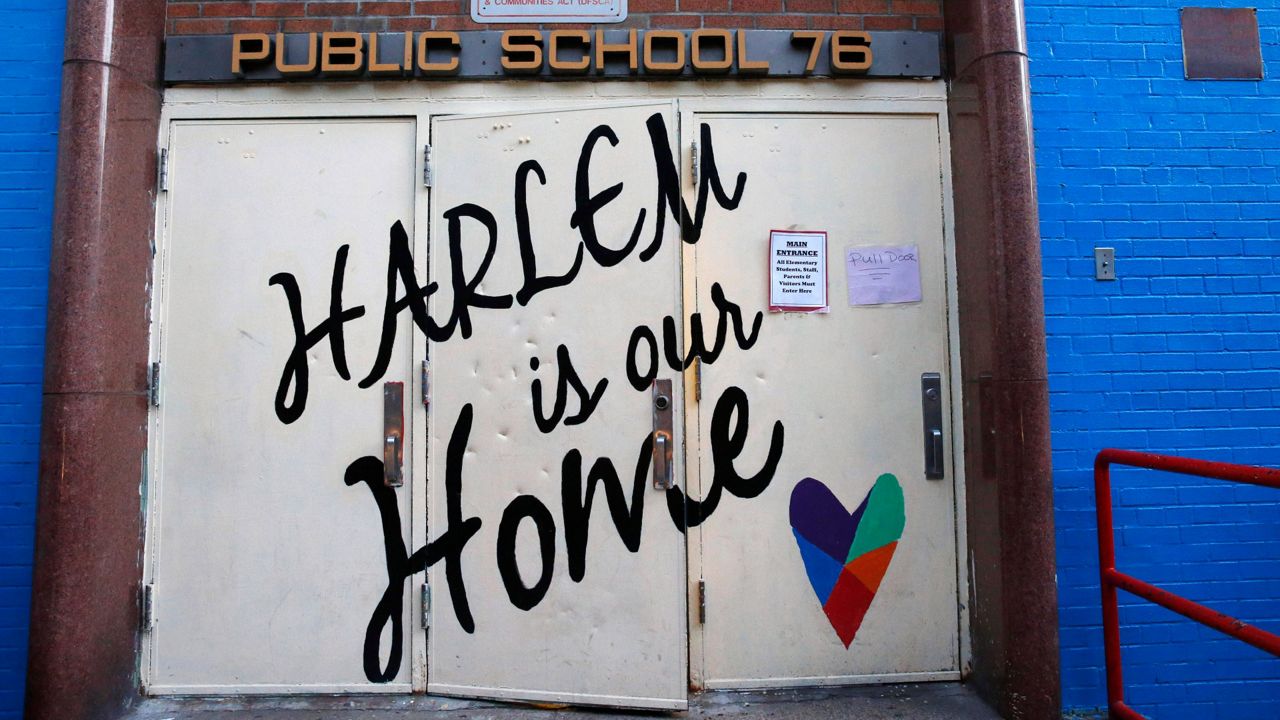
(599, 54)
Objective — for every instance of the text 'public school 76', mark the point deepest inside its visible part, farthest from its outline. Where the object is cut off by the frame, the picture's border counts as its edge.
(566, 52)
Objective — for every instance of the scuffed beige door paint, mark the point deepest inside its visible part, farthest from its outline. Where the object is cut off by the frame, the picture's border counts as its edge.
(846, 386)
(530, 629)
(266, 566)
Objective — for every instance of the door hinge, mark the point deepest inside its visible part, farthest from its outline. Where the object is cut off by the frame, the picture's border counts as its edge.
(162, 171)
(697, 379)
(426, 606)
(693, 162)
(426, 384)
(427, 175)
(148, 606)
(702, 602)
(153, 384)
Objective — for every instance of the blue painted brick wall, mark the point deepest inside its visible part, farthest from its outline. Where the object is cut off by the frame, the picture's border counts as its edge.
(1180, 355)
(30, 80)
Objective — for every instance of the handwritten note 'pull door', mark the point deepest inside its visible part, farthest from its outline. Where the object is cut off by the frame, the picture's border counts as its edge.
(557, 571)
(265, 552)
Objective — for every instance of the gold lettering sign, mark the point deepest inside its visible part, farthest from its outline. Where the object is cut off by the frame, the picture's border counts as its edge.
(282, 63)
(582, 39)
(814, 38)
(337, 45)
(629, 47)
(240, 49)
(654, 52)
(664, 68)
(746, 66)
(526, 42)
(703, 64)
(850, 52)
(381, 68)
(425, 40)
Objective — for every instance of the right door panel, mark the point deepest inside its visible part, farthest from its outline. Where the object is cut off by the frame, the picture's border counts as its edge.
(844, 568)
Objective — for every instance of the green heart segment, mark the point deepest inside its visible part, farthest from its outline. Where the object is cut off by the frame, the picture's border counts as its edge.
(883, 520)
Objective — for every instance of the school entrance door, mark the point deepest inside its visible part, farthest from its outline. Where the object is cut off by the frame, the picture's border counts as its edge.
(494, 405)
(577, 589)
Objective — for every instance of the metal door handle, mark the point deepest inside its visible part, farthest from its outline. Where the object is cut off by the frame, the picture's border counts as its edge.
(662, 467)
(662, 450)
(391, 450)
(931, 405)
(393, 434)
(935, 454)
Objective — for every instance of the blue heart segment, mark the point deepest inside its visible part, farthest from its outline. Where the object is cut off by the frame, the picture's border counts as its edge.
(822, 569)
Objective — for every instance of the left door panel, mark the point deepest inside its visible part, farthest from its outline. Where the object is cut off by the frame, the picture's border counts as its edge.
(266, 566)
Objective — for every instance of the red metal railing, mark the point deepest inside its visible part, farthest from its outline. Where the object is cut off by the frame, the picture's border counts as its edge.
(1112, 578)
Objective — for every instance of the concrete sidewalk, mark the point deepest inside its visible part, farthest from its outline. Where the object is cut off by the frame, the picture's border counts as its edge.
(932, 701)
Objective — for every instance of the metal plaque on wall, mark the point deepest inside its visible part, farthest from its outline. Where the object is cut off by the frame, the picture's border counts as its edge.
(548, 11)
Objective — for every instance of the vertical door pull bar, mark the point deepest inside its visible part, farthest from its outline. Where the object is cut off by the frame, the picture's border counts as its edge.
(393, 434)
(662, 450)
(931, 404)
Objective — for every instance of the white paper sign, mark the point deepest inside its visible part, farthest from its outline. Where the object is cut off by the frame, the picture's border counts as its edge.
(883, 274)
(548, 11)
(798, 271)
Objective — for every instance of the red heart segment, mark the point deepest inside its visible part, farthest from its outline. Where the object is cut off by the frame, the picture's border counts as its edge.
(847, 606)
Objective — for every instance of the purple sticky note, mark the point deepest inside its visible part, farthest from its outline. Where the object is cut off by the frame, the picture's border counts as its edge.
(883, 274)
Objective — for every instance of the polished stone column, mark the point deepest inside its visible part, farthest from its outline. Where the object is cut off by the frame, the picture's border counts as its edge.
(84, 613)
(1009, 483)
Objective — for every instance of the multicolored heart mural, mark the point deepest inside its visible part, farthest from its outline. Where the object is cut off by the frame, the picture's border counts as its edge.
(846, 554)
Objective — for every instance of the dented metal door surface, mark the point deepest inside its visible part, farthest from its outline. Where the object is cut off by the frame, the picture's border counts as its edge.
(832, 555)
(269, 503)
(558, 573)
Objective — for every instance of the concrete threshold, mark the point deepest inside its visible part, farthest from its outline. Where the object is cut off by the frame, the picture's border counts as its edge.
(923, 701)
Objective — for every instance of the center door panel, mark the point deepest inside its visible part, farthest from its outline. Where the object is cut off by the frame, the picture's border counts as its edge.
(562, 574)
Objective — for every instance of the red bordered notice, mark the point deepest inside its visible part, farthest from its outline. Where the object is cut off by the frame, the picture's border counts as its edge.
(798, 271)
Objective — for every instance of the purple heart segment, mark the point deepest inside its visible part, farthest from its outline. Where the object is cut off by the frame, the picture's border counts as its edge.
(819, 517)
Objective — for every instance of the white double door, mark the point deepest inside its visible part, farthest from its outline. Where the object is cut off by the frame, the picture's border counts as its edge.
(556, 535)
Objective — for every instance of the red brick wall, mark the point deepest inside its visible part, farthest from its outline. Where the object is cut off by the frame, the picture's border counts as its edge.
(214, 17)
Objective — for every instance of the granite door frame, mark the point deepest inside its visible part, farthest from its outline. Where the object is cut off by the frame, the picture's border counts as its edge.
(86, 599)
